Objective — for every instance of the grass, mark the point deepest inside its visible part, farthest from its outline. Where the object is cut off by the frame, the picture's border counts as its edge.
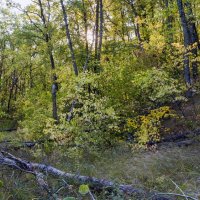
(148, 170)
(152, 171)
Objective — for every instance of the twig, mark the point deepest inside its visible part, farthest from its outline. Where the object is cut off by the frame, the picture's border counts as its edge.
(179, 189)
(91, 195)
(175, 194)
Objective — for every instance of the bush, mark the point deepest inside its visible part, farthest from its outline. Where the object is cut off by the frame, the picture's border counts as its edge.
(146, 128)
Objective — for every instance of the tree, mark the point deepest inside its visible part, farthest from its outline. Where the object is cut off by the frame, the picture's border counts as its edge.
(69, 38)
(190, 38)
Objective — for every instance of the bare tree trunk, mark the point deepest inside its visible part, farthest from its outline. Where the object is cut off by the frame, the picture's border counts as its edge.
(98, 32)
(187, 41)
(51, 58)
(97, 29)
(13, 89)
(31, 75)
(70, 115)
(101, 21)
(194, 39)
(69, 38)
(136, 25)
(190, 38)
(169, 22)
(86, 27)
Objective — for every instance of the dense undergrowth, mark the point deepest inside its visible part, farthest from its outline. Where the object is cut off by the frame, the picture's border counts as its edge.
(93, 86)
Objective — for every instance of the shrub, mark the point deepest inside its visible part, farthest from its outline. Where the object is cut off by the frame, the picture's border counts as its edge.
(146, 128)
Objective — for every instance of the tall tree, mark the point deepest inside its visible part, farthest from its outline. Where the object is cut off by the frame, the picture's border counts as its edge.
(68, 35)
(190, 38)
(47, 36)
(194, 38)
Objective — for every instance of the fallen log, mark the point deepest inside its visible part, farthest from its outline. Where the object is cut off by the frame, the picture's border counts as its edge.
(19, 144)
(38, 170)
(91, 181)
(33, 168)
(180, 136)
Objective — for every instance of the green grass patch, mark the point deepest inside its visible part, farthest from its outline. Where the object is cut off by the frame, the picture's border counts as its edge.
(151, 171)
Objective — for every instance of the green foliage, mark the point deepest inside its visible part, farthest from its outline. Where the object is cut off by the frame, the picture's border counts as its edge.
(1, 184)
(3, 114)
(134, 87)
(94, 122)
(36, 112)
(84, 189)
(139, 71)
(69, 198)
(153, 87)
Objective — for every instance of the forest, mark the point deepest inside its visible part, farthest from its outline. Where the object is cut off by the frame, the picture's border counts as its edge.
(99, 100)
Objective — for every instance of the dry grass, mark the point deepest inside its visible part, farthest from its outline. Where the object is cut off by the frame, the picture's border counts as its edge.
(152, 171)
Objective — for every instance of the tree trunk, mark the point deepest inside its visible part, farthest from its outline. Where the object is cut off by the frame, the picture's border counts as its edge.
(101, 19)
(169, 21)
(97, 30)
(136, 25)
(86, 27)
(190, 38)
(51, 58)
(187, 41)
(11, 92)
(194, 39)
(69, 38)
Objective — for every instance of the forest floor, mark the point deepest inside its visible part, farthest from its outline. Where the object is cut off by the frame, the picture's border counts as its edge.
(170, 168)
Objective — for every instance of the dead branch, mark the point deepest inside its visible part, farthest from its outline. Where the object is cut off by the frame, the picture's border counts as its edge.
(177, 195)
(11, 161)
(181, 136)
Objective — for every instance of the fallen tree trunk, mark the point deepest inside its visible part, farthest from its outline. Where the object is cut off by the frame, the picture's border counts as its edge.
(18, 144)
(38, 170)
(33, 168)
(181, 136)
(91, 181)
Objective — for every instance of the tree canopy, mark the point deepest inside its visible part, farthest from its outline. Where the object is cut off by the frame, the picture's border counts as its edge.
(82, 69)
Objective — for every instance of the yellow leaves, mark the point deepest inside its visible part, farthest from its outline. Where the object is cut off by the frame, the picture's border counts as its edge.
(182, 49)
(178, 45)
(155, 26)
(160, 112)
(57, 133)
(139, 20)
(157, 41)
(147, 127)
(132, 123)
